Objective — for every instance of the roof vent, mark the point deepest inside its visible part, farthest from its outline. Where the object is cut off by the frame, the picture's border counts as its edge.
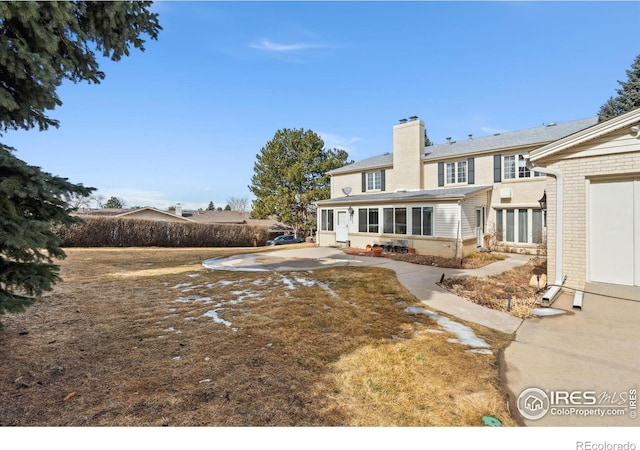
(551, 124)
(449, 140)
(470, 136)
(402, 120)
(496, 134)
(412, 118)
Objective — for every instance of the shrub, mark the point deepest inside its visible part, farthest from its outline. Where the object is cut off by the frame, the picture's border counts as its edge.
(122, 232)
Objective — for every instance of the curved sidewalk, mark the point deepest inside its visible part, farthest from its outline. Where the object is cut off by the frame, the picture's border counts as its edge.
(421, 281)
(592, 350)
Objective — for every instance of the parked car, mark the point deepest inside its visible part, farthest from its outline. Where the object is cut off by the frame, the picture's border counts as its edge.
(285, 239)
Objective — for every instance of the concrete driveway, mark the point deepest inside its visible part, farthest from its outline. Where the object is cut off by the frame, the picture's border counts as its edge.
(574, 369)
(576, 357)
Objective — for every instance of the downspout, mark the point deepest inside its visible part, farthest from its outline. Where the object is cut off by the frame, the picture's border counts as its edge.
(555, 288)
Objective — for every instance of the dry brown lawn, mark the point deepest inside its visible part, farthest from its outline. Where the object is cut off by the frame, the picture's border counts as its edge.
(149, 337)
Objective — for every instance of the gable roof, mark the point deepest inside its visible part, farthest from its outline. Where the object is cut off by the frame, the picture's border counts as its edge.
(157, 211)
(625, 120)
(512, 139)
(422, 195)
(374, 162)
(509, 140)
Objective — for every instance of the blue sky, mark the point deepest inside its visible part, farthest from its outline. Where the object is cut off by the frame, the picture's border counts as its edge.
(183, 121)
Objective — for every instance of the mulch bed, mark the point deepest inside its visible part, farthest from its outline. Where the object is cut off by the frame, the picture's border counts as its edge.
(473, 261)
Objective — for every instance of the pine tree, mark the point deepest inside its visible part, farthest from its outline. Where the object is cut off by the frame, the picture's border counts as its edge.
(41, 45)
(628, 97)
(31, 202)
(290, 173)
(211, 207)
(427, 141)
(117, 203)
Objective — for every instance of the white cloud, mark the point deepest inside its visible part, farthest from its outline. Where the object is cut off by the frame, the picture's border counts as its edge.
(283, 48)
(332, 140)
(489, 130)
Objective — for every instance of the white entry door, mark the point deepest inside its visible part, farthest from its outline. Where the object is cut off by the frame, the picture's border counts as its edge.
(614, 232)
(342, 227)
(480, 226)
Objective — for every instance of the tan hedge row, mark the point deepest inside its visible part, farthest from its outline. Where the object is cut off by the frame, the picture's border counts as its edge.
(119, 232)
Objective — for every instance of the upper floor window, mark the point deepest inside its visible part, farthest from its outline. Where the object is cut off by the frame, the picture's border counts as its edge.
(515, 166)
(457, 172)
(373, 181)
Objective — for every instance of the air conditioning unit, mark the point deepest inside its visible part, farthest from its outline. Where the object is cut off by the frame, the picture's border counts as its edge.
(505, 193)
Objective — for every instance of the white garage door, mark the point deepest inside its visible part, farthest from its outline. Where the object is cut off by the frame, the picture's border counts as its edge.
(614, 232)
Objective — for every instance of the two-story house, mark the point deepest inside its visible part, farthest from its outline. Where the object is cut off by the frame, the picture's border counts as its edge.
(445, 200)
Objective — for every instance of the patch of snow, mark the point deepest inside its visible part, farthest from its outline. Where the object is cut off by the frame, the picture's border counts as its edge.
(173, 309)
(181, 285)
(213, 313)
(230, 263)
(482, 351)
(170, 329)
(547, 312)
(207, 358)
(305, 282)
(194, 298)
(193, 275)
(176, 358)
(464, 334)
(190, 288)
(206, 380)
(327, 289)
(287, 282)
(418, 310)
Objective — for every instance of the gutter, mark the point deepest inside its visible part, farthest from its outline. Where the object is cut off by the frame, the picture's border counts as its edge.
(555, 288)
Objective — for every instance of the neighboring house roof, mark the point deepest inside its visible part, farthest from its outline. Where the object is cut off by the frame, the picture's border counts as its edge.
(594, 132)
(208, 216)
(140, 211)
(234, 217)
(423, 195)
(508, 140)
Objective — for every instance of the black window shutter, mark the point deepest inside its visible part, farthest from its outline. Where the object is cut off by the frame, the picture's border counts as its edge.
(497, 168)
(471, 177)
(440, 174)
(382, 180)
(364, 182)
